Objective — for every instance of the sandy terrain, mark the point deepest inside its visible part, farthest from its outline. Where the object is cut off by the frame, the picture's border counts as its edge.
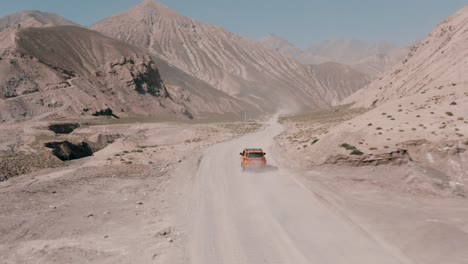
(268, 217)
(114, 207)
(416, 209)
(175, 193)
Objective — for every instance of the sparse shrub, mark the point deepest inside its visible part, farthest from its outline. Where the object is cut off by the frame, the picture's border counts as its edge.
(449, 113)
(386, 147)
(357, 152)
(373, 148)
(347, 146)
(453, 103)
(461, 118)
(370, 124)
(379, 128)
(315, 141)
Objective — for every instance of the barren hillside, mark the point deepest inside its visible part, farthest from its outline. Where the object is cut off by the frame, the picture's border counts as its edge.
(68, 71)
(282, 46)
(33, 18)
(238, 66)
(434, 65)
(416, 113)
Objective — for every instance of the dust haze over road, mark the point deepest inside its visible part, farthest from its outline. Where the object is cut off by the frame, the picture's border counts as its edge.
(243, 217)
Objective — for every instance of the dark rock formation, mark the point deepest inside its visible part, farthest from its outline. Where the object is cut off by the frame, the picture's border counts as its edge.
(66, 150)
(64, 128)
(396, 157)
(105, 112)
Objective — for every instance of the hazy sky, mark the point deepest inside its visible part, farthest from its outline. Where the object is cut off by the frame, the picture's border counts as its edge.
(302, 22)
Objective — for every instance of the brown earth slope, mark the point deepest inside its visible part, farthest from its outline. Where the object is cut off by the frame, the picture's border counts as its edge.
(68, 71)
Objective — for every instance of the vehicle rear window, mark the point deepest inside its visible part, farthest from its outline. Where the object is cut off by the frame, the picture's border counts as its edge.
(254, 155)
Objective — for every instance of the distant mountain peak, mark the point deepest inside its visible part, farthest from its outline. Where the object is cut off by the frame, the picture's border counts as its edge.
(149, 8)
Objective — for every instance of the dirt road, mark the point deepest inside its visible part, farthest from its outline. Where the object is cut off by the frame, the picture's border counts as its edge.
(269, 217)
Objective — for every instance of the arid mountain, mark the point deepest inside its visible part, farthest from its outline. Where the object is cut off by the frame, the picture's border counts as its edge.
(233, 64)
(434, 65)
(33, 18)
(420, 106)
(371, 58)
(68, 71)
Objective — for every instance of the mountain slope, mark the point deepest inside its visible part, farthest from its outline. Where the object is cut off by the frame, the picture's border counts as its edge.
(33, 18)
(433, 65)
(69, 71)
(231, 63)
(420, 106)
(281, 45)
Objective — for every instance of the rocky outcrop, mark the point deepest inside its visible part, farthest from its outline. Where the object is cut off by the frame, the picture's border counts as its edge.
(395, 157)
(139, 74)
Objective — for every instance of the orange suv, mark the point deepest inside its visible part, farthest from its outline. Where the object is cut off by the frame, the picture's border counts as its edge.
(253, 158)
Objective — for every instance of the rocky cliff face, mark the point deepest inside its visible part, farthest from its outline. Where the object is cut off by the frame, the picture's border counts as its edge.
(141, 76)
